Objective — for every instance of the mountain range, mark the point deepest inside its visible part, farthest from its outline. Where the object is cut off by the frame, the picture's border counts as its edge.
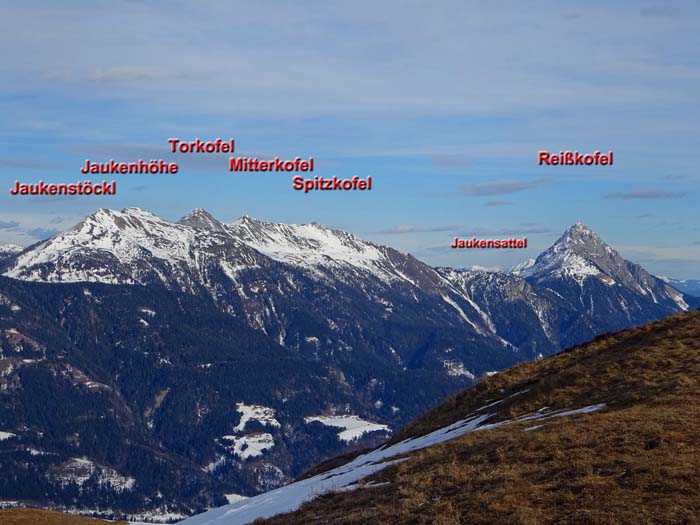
(161, 367)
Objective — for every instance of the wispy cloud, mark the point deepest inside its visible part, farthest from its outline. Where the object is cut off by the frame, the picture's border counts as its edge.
(479, 231)
(130, 73)
(24, 164)
(498, 203)
(645, 194)
(572, 16)
(354, 57)
(466, 230)
(501, 187)
(418, 229)
(658, 11)
(9, 225)
(449, 161)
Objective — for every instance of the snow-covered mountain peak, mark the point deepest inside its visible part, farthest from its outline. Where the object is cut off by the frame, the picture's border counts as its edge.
(134, 210)
(579, 236)
(581, 256)
(130, 225)
(120, 220)
(580, 228)
(107, 246)
(135, 246)
(243, 219)
(578, 253)
(201, 218)
(306, 244)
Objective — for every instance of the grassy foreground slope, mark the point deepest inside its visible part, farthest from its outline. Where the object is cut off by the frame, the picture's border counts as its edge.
(636, 461)
(47, 517)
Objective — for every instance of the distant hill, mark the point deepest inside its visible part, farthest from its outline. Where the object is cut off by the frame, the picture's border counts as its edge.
(606, 432)
(687, 286)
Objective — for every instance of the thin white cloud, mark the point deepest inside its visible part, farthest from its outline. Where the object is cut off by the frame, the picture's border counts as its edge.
(504, 187)
(645, 194)
(336, 59)
(417, 229)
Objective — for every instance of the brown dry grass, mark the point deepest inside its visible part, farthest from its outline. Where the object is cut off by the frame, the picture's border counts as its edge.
(637, 462)
(47, 517)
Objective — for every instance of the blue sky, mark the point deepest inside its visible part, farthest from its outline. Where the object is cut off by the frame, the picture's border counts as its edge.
(445, 106)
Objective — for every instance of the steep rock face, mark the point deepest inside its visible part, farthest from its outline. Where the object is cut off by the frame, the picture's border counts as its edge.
(524, 314)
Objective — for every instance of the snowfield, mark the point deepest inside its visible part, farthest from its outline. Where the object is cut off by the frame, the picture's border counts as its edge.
(6, 435)
(261, 414)
(353, 427)
(290, 497)
(252, 445)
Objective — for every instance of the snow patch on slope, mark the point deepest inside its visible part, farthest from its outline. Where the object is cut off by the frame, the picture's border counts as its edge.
(261, 414)
(678, 299)
(454, 305)
(456, 368)
(252, 445)
(353, 427)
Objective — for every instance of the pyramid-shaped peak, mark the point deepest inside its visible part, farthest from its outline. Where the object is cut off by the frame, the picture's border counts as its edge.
(578, 252)
(199, 213)
(200, 218)
(103, 216)
(578, 236)
(250, 222)
(581, 229)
